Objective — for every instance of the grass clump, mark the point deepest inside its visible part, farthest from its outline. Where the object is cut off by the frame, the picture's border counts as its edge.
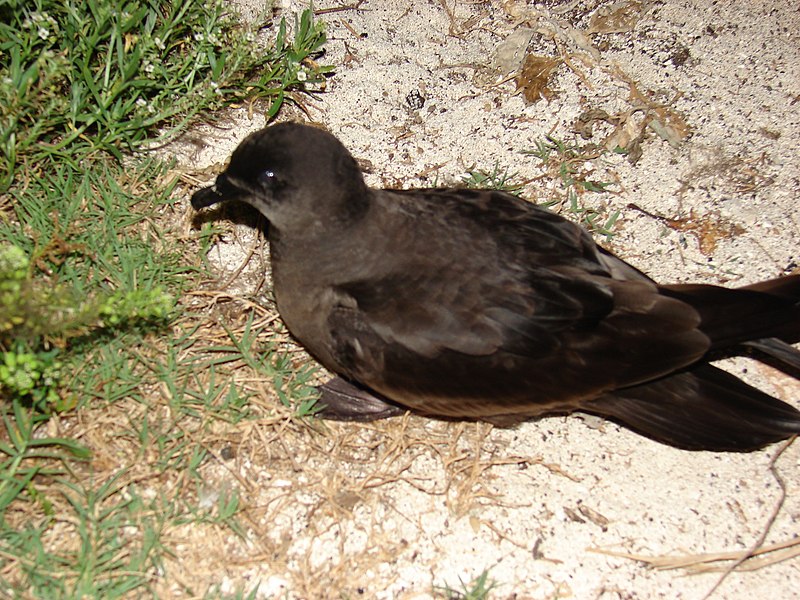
(496, 179)
(114, 548)
(568, 164)
(94, 277)
(81, 77)
(80, 263)
(292, 383)
(566, 168)
(477, 589)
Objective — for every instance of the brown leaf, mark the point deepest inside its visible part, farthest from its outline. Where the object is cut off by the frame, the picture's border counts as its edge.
(594, 516)
(617, 18)
(670, 126)
(709, 229)
(627, 133)
(534, 77)
(584, 124)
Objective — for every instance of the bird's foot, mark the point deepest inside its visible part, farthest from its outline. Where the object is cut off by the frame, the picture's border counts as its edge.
(343, 401)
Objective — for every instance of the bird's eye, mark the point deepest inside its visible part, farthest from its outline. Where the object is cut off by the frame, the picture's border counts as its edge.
(267, 178)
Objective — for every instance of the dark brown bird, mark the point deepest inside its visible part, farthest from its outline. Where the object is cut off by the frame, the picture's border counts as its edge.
(476, 304)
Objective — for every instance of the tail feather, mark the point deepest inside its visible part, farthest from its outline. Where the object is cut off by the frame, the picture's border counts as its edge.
(787, 287)
(775, 353)
(702, 409)
(732, 316)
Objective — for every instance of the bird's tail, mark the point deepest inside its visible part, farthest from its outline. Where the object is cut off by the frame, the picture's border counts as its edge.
(704, 407)
(769, 309)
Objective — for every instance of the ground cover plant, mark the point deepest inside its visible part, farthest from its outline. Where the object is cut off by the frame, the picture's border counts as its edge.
(94, 278)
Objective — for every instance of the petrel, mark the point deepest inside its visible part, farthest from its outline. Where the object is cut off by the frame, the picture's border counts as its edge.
(469, 304)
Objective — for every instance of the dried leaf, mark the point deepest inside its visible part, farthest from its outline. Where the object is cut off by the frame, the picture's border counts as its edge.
(628, 131)
(634, 151)
(708, 229)
(535, 76)
(594, 516)
(584, 124)
(627, 134)
(573, 516)
(669, 126)
(617, 18)
(510, 53)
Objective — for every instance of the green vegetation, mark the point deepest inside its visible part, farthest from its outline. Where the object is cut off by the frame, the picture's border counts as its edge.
(566, 174)
(570, 165)
(477, 589)
(292, 384)
(93, 277)
(496, 179)
(78, 78)
(116, 549)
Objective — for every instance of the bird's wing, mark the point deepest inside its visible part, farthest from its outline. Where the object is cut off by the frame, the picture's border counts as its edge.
(537, 308)
(429, 311)
(703, 408)
(596, 332)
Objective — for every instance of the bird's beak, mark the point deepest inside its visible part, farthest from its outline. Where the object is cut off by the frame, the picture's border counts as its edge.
(221, 190)
(206, 197)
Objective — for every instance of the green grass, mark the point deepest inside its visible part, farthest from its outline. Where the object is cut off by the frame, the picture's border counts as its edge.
(566, 164)
(93, 276)
(570, 164)
(496, 179)
(78, 78)
(102, 562)
(292, 383)
(23, 447)
(477, 589)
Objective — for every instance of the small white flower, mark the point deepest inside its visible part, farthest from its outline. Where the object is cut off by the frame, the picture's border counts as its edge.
(199, 37)
(250, 36)
(43, 33)
(141, 102)
(302, 75)
(159, 44)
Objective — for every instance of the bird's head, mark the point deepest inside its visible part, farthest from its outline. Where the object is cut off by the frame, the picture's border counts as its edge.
(302, 179)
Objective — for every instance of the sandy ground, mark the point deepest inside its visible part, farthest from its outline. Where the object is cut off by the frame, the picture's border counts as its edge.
(540, 506)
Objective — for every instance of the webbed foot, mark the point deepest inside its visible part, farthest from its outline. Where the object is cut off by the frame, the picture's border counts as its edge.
(344, 401)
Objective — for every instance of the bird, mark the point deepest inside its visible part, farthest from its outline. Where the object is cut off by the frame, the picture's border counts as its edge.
(468, 304)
